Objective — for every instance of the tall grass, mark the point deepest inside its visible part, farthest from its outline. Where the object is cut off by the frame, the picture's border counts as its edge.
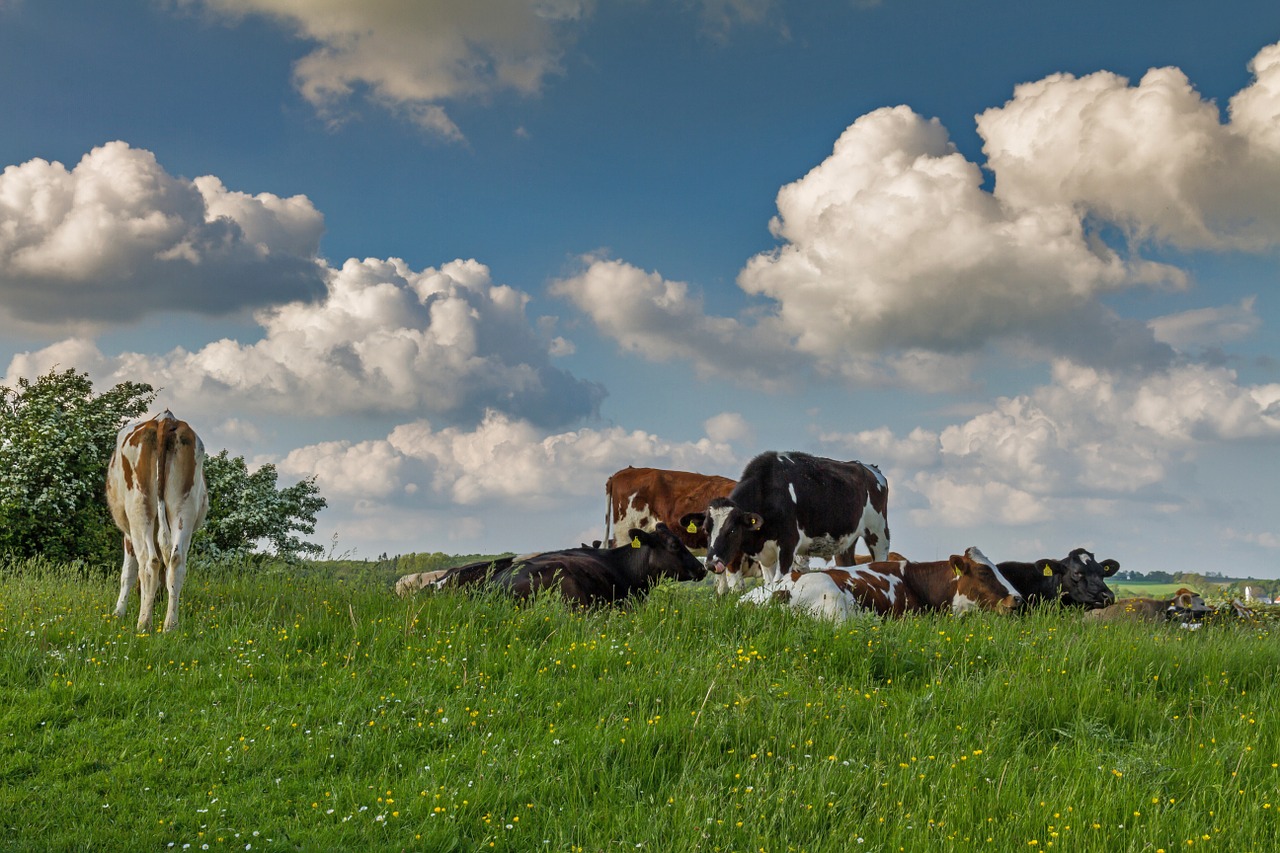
(295, 711)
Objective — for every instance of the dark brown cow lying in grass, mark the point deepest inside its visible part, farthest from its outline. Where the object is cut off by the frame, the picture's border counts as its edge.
(965, 582)
(584, 575)
(1183, 605)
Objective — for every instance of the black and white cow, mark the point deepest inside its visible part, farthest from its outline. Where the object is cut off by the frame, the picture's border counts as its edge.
(793, 505)
(1077, 581)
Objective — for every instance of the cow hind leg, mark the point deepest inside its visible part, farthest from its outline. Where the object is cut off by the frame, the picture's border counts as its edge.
(151, 571)
(128, 577)
(174, 576)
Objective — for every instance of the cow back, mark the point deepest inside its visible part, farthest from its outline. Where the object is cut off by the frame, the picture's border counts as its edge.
(646, 497)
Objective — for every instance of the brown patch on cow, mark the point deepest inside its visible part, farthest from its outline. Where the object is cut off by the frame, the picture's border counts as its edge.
(128, 473)
(666, 496)
(870, 538)
(782, 595)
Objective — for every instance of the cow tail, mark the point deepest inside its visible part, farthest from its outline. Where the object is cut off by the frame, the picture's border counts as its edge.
(164, 450)
(608, 512)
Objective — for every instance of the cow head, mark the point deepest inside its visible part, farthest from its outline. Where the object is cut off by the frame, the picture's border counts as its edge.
(731, 533)
(980, 584)
(1084, 578)
(665, 556)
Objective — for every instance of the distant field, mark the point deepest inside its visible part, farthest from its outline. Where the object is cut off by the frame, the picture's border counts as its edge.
(297, 710)
(1134, 589)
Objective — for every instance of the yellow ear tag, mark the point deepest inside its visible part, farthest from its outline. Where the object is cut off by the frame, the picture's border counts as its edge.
(956, 569)
(692, 528)
(635, 542)
(1048, 572)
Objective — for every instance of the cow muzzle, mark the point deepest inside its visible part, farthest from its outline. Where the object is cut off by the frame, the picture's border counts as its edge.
(1011, 604)
(717, 566)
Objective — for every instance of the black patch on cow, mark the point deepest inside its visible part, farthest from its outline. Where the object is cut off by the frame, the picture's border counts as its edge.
(829, 499)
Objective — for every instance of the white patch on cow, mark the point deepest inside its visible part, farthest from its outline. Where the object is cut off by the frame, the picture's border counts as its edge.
(634, 516)
(818, 595)
(791, 487)
(962, 604)
(978, 557)
(770, 571)
(717, 517)
(873, 523)
(785, 457)
(895, 582)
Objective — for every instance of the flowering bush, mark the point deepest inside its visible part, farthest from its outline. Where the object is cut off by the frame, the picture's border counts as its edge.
(56, 437)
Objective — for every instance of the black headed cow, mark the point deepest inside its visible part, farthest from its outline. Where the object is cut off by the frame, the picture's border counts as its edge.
(1079, 580)
(792, 504)
(585, 575)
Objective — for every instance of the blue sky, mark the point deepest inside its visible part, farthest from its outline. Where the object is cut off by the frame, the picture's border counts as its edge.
(461, 261)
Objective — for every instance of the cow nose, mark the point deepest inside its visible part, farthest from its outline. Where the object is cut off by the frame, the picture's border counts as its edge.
(1108, 598)
(715, 565)
(1012, 604)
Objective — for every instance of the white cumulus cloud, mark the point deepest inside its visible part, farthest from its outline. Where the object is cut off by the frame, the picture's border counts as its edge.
(501, 461)
(1074, 446)
(117, 237)
(412, 57)
(1154, 158)
(446, 342)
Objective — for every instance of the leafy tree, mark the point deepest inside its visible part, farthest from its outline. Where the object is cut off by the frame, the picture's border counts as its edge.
(56, 437)
(246, 509)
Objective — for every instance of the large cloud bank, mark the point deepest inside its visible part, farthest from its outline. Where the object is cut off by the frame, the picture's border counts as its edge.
(117, 237)
(1078, 445)
(896, 265)
(502, 460)
(447, 342)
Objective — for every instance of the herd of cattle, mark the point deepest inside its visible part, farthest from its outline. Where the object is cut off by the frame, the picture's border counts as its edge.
(785, 509)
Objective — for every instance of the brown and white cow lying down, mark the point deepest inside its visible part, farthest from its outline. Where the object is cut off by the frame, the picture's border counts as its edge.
(157, 496)
(965, 582)
(584, 576)
(1184, 605)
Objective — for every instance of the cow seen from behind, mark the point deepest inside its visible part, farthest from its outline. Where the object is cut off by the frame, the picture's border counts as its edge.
(157, 496)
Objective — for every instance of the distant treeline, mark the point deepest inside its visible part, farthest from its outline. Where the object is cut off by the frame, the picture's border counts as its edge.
(1230, 586)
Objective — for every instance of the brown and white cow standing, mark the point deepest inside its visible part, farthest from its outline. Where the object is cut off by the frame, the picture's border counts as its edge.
(157, 495)
(643, 497)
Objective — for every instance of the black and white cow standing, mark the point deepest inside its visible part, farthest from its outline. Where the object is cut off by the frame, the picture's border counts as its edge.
(793, 505)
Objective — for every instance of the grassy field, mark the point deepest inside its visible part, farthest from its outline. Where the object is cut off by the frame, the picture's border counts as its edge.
(1143, 589)
(299, 711)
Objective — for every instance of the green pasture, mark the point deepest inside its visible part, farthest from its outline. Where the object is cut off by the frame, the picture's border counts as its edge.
(298, 710)
(1144, 589)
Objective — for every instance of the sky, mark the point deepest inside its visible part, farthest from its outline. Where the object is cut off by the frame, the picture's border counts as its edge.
(461, 260)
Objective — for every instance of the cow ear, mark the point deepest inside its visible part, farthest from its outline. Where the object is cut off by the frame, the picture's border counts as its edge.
(1109, 568)
(692, 522)
(754, 521)
(958, 565)
(1048, 570)
(640, 537)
